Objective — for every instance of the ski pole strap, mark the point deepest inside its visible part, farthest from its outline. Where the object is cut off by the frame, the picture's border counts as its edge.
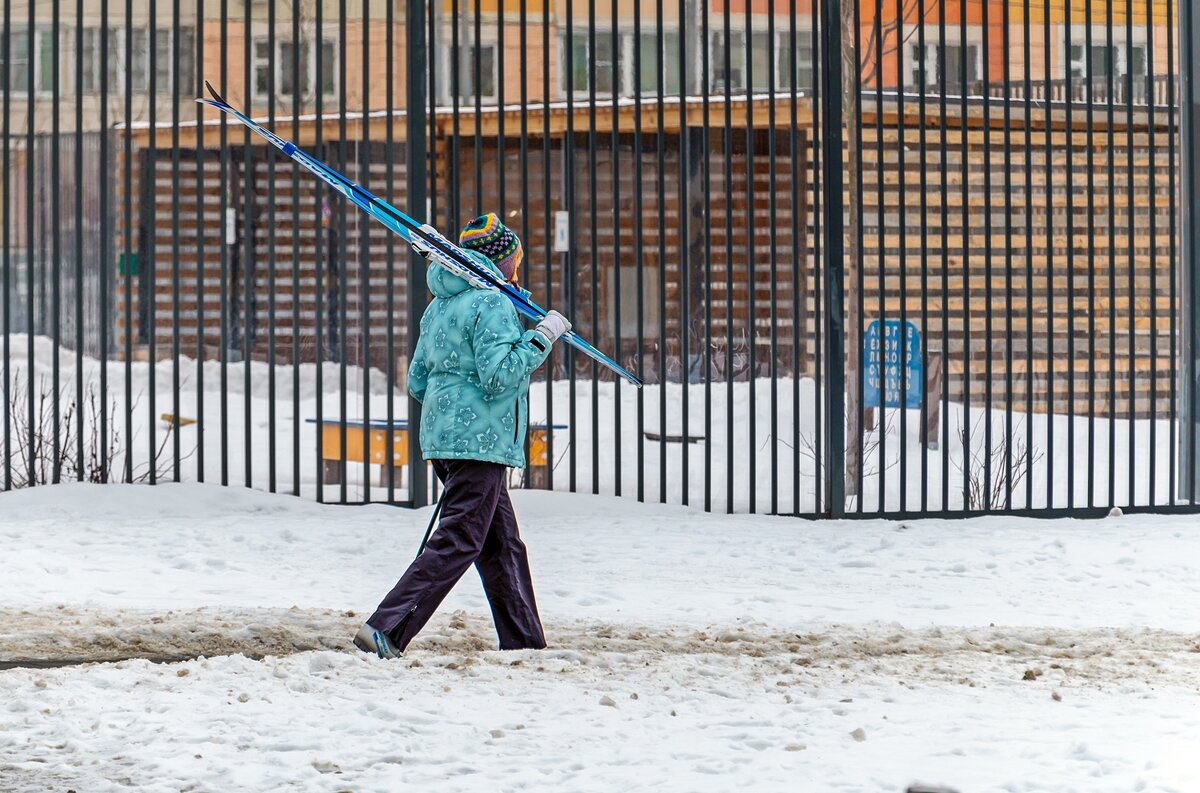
(437, 510)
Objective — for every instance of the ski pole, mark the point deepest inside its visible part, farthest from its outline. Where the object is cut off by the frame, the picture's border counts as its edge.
(432, 520)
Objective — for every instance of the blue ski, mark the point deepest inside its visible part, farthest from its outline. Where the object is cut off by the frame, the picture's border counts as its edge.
(442, 250)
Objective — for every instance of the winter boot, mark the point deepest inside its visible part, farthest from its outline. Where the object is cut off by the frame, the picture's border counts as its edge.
(371, 640)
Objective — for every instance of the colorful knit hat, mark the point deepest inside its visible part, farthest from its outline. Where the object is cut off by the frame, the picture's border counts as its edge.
(487, 235)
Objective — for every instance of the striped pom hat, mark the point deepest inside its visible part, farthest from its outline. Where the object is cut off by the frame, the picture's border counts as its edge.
(487, 235)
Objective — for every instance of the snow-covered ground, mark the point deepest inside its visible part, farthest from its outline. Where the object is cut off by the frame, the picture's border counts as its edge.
(688, 651)
(242, 420)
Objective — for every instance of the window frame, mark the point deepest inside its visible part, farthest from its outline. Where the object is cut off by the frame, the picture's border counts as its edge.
(933, 60)
(782, 54)
(308, 72)
(1120, 57)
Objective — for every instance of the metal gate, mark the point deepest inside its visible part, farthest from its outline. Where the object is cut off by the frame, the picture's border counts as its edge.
(914, 257)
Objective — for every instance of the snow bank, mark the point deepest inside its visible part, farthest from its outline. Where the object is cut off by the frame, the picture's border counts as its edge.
(237, 429)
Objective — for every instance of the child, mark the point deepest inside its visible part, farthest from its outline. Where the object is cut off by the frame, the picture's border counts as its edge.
(471, 375)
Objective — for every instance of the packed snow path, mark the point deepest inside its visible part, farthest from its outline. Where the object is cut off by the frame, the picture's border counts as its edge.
(688, 651)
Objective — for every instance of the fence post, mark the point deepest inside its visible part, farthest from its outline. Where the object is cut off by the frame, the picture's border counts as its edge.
(414, 24)
(833, 222)
(1189, 266)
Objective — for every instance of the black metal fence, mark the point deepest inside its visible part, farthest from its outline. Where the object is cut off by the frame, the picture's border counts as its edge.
(870, 258)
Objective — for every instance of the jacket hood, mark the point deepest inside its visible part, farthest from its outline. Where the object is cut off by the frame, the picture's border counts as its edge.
(443, 283)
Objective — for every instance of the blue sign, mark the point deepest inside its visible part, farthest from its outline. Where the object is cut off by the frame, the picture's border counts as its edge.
(914, 375)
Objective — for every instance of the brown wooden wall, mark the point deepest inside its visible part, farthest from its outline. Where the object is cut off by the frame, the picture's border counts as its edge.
(1028, 280)
(1047, 272)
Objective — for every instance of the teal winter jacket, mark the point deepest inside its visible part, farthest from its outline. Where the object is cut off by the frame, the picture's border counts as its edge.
(471, 372)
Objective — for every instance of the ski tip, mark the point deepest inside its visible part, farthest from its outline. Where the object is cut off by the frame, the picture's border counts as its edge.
(213, 91)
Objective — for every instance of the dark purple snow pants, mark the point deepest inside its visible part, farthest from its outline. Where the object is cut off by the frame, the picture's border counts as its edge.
(478, 526)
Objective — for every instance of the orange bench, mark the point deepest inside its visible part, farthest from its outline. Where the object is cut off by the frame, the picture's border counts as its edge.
(372, 443)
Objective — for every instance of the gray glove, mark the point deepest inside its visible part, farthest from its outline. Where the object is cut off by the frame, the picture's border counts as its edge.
(553, 325)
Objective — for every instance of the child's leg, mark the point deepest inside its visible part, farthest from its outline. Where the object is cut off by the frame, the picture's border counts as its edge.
(472, 490)
(504, 567)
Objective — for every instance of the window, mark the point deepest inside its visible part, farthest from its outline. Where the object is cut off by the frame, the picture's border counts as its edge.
(651, 57)
(657, 60)
(944, 65)
(90, 47)
(483, 57)
(804, 61)
(1122, 59)
(16, 61)
(762, 53)
(17, 64)
(734, 78)
(287, 68)
(1101, 60)
(605, 67)
(138, 60)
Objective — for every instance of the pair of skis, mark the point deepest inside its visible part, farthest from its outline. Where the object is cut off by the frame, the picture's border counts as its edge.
(421, 236)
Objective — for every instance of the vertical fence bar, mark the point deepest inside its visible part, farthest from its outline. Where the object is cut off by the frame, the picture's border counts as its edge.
(988, 390)
(296, 266)
(685, 264)
(1006, 24)
(1069, 183)
(79, 350)
(794, 154)
(1153, 189)
(616, 221)
(364, 245)
(859, 265)
(201, 225)
(56, 241)
(151, 247)
(660, 202)
(572, 248)
(751, 263)
(5, 252)
(127, 236)
(881, 317)
(729, 316)
(343, 255)
(415, 142)
(224, 285)
(477, 86)
(320, 260)
(966, 260)
(1131, 265)
(454, 205)
(772, 202)
(547, 164)
(831, 178)
(1112, 262)
(1091, 252)
(705, 107)
(923, 166)
(1173, 230)
(901, 222)
(246, 314)
(176, 446)
(271, 260)
(817, 187)
(390, 243)
(106, 242)
(1027, 60)
(944, 221)
(639, 244)
(1189, 55)
(592, 230)
(1051, 357)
